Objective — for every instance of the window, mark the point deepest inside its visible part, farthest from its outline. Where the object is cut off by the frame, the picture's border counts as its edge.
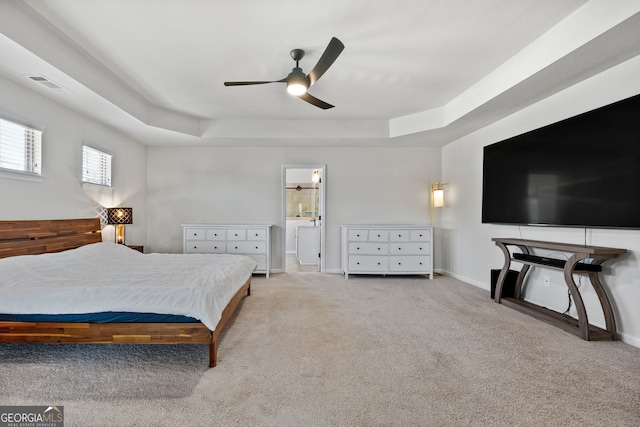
(20, 148)
(96, 166)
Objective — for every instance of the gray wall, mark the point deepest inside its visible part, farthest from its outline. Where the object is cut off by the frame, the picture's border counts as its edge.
(244, 185)
(465, 245)
(61, 194)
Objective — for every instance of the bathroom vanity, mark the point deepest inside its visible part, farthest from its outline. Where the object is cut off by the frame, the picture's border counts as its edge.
(308, 245)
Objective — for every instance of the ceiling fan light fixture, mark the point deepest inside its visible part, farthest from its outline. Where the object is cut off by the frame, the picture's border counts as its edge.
(297, 82)
(296, 89)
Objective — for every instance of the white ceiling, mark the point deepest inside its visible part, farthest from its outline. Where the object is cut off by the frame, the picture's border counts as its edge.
(412, 72)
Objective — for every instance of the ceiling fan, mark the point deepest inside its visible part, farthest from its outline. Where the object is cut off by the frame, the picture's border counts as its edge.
(297, 81)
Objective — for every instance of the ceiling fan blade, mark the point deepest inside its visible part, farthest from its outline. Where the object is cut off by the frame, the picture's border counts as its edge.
(253, 83)
(331, 53)
(315, 101)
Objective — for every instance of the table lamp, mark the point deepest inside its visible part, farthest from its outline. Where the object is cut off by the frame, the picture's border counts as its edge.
(119, 217)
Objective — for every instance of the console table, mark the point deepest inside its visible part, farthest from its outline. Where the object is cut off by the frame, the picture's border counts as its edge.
(585, 260)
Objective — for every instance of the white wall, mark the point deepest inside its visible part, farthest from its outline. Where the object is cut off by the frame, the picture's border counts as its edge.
(242, 185)
(61, 195)
(465, 244)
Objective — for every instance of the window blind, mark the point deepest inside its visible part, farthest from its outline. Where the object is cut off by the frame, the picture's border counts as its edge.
(20, 147)
(96, 166)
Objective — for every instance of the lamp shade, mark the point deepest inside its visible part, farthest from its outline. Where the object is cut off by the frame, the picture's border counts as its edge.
(438, 198)
(119, 216)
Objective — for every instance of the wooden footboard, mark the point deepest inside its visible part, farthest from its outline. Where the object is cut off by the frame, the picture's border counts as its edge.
(122, 333)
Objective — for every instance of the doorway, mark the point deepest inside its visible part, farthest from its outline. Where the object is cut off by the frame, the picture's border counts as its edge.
(303, 217)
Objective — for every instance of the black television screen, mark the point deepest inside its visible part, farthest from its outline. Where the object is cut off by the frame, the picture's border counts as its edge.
(580, 172)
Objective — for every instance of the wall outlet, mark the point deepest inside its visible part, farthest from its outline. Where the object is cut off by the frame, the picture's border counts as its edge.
(546, 281)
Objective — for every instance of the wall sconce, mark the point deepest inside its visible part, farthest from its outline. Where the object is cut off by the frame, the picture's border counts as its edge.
(315, 178)
(437, 198)
(119, 217)
(438, 195)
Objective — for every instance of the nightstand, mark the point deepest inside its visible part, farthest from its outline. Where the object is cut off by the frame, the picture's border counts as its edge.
(137, 248)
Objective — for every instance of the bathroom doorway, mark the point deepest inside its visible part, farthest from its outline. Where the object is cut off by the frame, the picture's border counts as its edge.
(303, 217)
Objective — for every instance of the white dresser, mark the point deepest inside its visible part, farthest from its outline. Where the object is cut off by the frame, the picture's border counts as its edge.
(251, 240)
(386, 249)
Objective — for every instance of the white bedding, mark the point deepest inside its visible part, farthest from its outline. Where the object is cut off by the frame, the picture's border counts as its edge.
(111, 277)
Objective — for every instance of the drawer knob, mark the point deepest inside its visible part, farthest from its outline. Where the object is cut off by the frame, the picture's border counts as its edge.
(399, 263)
(378, 235)
(357, 235)
(236, 247)
(420, 248)
(378, 248)
(215, 247)
(378, 263)
(357, 249)
(256, 247)
(236, 234)
(358, 263)
(195, 247)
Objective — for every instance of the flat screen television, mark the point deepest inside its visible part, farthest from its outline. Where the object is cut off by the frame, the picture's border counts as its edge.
(580, 172)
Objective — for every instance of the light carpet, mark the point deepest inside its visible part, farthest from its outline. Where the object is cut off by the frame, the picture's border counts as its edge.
(310, 349)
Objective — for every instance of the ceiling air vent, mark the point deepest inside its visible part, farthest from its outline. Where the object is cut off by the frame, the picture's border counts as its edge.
(46, 82)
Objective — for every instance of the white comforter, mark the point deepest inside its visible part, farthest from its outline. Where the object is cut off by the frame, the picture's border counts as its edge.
(110, 277)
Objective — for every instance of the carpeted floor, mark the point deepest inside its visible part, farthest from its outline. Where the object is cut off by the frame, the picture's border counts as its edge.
(309, 349)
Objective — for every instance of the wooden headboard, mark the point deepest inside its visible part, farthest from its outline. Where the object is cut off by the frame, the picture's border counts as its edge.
(31, 237)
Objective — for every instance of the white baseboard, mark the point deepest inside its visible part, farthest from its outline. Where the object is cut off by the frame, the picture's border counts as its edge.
(463, 279)
(628, 339)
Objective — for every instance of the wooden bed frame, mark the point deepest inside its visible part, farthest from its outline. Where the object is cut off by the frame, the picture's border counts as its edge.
(46, 236)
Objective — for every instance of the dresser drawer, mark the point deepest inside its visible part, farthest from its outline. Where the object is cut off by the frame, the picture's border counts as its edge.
(368, 263)
(204, 247)
(246, 247)
(253, 240)
(418, 264)
(195, 233)
(256, 234)
(420, 235)
(216, 234)
(409, 248)
(366, 248)
(378, 235)
(399, 236)
(236, 234)
(386, 249)
(358, 235)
